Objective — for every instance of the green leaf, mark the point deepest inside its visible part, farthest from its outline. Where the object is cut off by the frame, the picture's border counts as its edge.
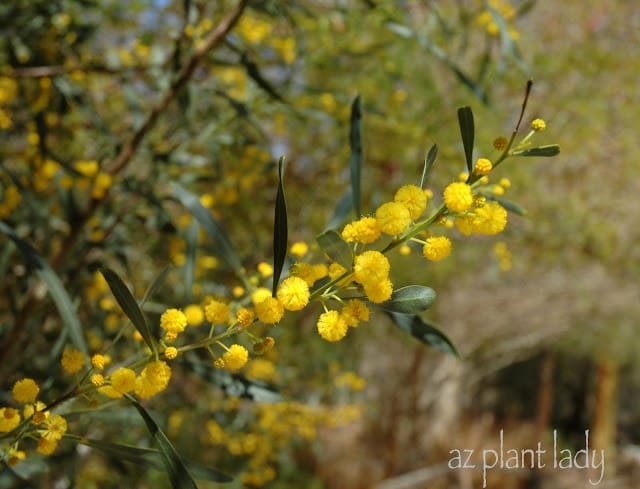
(129, 306)
(193, 232)
(343, 207)
(467, 131)
(175, 467)
(155, 285)
(54, 286)
(355, 157)
(424, 331)
(509, 205)
(428, 163)
(213, 228)
(411, 299)
(234, 384)
(337, 248)
(280, 230)
(548, 151)
(150, 457)
(129, 453)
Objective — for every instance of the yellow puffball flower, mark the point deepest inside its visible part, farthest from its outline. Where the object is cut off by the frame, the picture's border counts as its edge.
(378, 292)
(123, 380)
(465, 224)
(46, 447)
(25, 390)
(371, 267)
(500, 143)
(458, 197)
(299, 249)
(55, 426)
(265, 269)
(538, 125)
(97, 380)
(483, 166)
(173, 321)
(100, 361)
(505, 183)
(293, 293)
(245, 317)
(331, 326)
(153, 379)
(217, 312)
(491, 219)
(72, 360)
(194, 315)
(238, 291)
(405, 250)
(270, 310)
(170, 352)
(9, 419)
(87, 168)
(236, 357)
(260, 294)
(413, 198)
(393, 218)
(437, 248)
(365, 230)
(354, 311)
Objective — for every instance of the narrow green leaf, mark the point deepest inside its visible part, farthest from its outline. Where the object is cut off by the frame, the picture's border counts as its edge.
(355, 157)
(150, 457)
(54, 285)
(175, 467)
(424, 331)
(129, 453)
(234, 384)
(213, 228)
(467, 131)
(155, 285)
(411, 299)
(129, 306)
(428, 163)
(193, 232)
(509, 205)
(549, 150)
(340, 213)
(337, 248)
(280, 230)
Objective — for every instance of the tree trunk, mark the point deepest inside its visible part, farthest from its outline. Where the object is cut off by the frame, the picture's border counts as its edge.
(603, 425)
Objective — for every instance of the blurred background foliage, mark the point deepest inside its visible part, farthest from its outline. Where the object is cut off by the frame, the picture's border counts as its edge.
(546, 322)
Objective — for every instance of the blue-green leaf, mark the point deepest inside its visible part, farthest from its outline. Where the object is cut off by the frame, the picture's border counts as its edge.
(424, 331)
(280, 230)
(336, 248)
(467, 131)
(546, 151)
(411, 299)
(193, 231)
(129, 306)
(428, 163)
(340, 213)
(175, 467)
(149, 456)
(235, 384)
(155, 285)
(55, 287)
(355, 157)
(509, 205)
(213, 228)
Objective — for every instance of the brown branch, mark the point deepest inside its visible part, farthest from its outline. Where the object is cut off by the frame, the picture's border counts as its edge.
(129, 149)
(124, 157)
(214, 38)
